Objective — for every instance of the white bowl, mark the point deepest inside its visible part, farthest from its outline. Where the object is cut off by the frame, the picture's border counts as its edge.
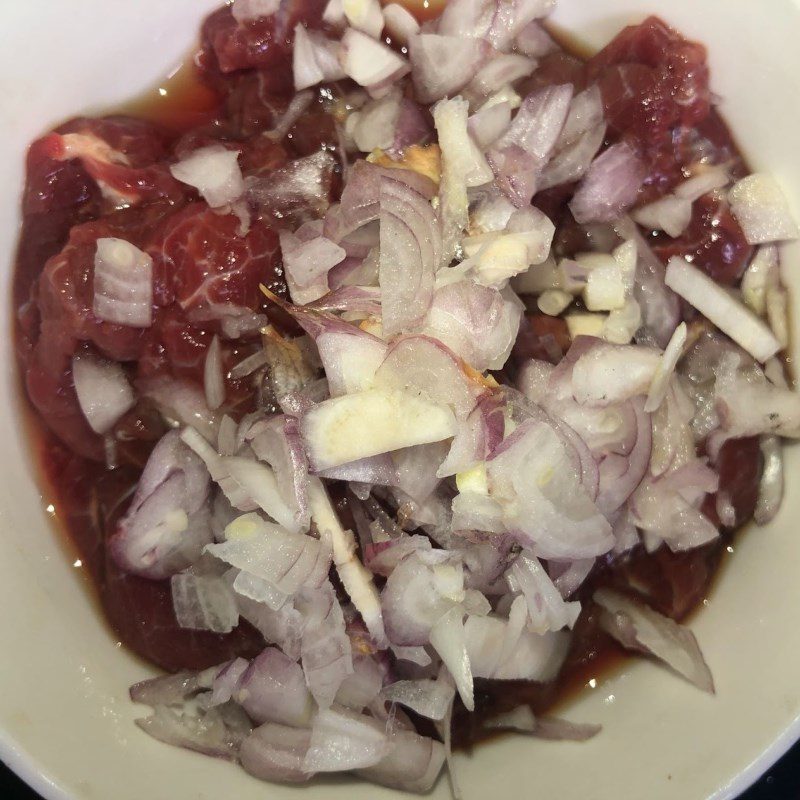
(66, 725)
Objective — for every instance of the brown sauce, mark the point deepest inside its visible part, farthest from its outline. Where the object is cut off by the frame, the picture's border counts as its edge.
(87, 498)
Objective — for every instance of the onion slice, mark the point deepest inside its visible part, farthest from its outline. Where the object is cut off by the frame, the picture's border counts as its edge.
(123, 284)
(214, 171)
(727, 313)
(610, 186)
(638, 627)
(204, 603)
(104, 393)
(213, 378)
(761, 209)
(369, 62)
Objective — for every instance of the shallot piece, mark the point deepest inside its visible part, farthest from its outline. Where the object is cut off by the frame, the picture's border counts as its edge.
(762, 210)
(123, 284)
(167, 523)
(104, 393)
(610, 186)
(213, 376)
(354, 426)
(248, 10)
(315, 59)
(727, 313)
(638, 627)
(203, 603)
(368, 62)
(400, 22)
(214, 171)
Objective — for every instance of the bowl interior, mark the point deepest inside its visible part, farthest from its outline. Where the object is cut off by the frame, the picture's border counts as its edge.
(65, 721)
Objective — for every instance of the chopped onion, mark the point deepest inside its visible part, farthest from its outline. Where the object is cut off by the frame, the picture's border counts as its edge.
(672, 354)
(638, 627)
(610, 186)
(571, 579)
(247, 366)
(706, 180)
(361, 689)
(368, 423)
(167, 523)
(727, 313)
(299, 187)
(442, 65)
(574, 160)
(260, 486)
(287, 560)
(104, 393)
(368, 62)
(333, 14)
(356, 580)
(425, 367)
(547, 611)
(488, 124)
(534, 41)
(610, 373)
(762, 273)
(503, 69)
(515, 172)
(376, 123)
(448, 639)
(770, 487)
(273, 689)
(508, 22)
(364, 15)
(244, 11)
(539, 122)
(342, 741)
(325, 649)
(466, 18)
(585, 114)
(277, 441)
(428, 698)
(412, 765)
(411, 602)
(762, 210)
(530, 656)
(400, 23)
(207, 734)
(750, 407)
(410, 248)
(537, 481)
(478, 436)
(214, 171)
(315, 59)
(307, 264)
(658, 304)
(213, 377)
(123, 284)
(171, 690)
(669, 214)
(275, 752)
(203, 603)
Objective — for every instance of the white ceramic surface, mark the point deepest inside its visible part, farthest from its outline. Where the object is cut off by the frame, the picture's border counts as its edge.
(65, 721)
